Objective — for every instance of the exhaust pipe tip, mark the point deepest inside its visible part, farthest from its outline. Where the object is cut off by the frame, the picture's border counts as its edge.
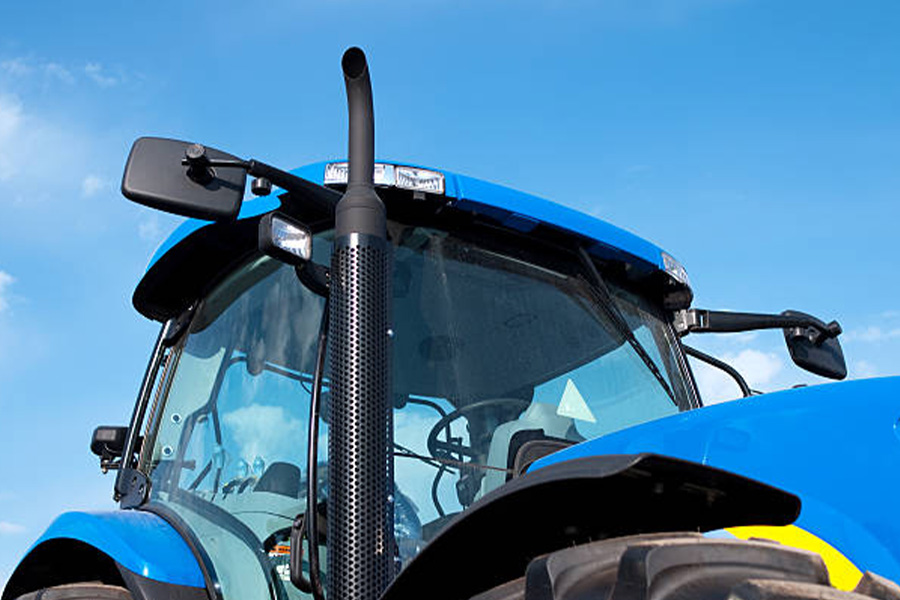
(354, 63)
(359, 210)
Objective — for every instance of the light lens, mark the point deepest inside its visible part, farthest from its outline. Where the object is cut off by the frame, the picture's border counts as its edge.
(291, 238)
(675, 270)
(340, 173)
(408, 178)
(420, 180)
(337, 173)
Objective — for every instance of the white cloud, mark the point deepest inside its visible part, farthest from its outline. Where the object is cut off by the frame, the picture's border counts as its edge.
(871, 334)
(743, 338)
(759, 369)
(269, 432)
(97, 75)
(7, 528)
(21, 67)
(39, 160)
(17, 67)
(91, 185)
(59, 72)
(10, 123)
(863, 369)
(149, 229)
(5, 280)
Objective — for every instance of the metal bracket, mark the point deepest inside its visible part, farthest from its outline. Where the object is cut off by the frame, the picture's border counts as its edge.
(687, 321)
(132, 488)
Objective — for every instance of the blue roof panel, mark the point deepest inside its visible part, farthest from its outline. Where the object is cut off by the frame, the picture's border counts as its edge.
(515, 209)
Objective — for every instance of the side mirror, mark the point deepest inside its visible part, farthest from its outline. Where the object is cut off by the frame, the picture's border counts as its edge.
(185, 179)
(813, 351)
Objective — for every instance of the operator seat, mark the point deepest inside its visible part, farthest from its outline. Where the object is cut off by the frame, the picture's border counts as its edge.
(540, 418)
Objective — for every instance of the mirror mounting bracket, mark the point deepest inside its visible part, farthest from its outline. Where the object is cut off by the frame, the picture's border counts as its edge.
(132, 488)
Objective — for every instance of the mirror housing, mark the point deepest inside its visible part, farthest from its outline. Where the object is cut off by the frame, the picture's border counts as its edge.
(177, 177)
(814, 352)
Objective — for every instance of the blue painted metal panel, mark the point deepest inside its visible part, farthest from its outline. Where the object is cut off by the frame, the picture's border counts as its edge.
(836, 446)
(516, 209)
(139, 541)
(251, 207)
(476, 193)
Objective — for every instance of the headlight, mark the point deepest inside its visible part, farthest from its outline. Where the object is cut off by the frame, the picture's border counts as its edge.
(407, 178)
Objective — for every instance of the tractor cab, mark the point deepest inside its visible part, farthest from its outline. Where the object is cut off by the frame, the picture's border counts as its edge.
(511, 337)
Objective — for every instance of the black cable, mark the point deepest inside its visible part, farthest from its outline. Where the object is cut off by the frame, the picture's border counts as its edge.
(434, 490)
(311, 520)
(429, 403)
(719, 364)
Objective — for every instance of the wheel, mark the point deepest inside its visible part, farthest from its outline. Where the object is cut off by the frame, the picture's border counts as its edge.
(676, 566)
(79, 591)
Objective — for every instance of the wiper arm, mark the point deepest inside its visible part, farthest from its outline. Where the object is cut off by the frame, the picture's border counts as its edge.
(607, 303)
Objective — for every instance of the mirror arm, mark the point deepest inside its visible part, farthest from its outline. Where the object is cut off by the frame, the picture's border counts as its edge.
(324, 198)
(710, 321)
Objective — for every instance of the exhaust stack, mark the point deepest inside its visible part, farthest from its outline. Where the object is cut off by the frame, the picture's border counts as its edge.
(360, 210)
(360, 466)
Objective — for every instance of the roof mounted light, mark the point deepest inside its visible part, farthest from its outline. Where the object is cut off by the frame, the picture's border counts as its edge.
(675, 270)
(400, 176)
(419, 180)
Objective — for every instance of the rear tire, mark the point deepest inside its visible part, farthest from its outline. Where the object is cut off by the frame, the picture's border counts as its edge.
(683, 566)
(79, 591)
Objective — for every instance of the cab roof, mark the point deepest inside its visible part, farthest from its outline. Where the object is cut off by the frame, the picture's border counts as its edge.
(196, 252)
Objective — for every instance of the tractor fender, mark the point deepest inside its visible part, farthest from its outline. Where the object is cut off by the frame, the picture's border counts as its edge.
(136, 549)
(582, 500)
(836, 446)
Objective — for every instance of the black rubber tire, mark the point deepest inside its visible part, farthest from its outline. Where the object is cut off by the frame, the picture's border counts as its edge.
(682, 566)
(79, 591)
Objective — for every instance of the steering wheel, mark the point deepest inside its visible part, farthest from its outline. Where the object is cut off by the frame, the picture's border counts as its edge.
(446, 449)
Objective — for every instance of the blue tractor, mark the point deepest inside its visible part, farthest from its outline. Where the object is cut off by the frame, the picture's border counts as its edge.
(389, 381)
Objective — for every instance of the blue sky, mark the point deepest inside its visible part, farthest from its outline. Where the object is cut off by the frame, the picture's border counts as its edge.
(756, 140)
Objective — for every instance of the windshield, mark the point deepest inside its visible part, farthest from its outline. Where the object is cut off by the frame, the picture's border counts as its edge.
(491, 352)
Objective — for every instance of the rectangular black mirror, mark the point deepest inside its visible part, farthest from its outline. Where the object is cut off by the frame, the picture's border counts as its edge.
(813, 351)
(184, 179)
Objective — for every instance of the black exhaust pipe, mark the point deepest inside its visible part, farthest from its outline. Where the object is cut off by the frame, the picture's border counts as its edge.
(360, 210)
(360, 466)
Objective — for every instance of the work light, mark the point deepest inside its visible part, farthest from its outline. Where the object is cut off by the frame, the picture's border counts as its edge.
(285, 239)
(675, 270)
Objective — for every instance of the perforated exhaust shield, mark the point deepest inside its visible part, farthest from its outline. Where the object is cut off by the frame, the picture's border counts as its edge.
(360, 469)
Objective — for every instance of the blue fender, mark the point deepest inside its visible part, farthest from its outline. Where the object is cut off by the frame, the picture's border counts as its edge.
(836, 446)
(139, 541)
